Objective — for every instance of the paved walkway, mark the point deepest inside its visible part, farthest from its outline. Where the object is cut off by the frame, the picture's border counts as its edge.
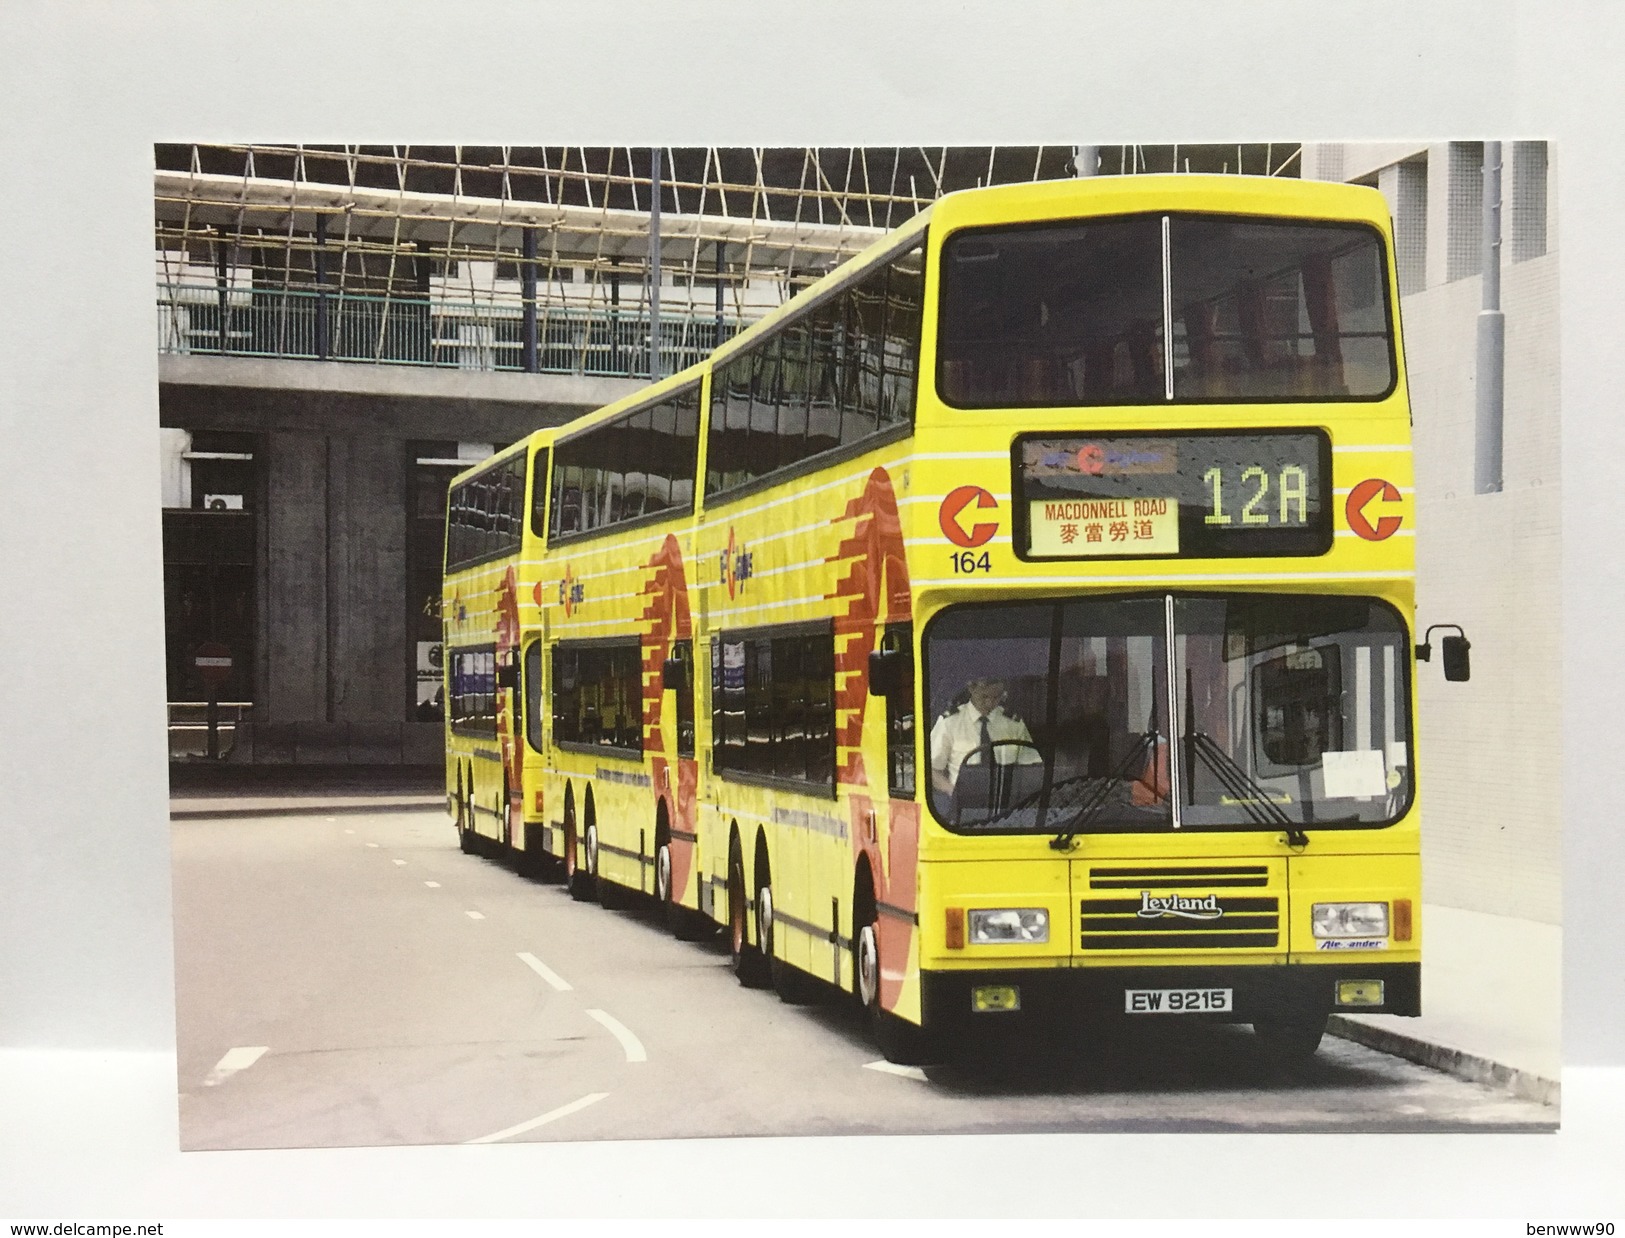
(1492, 1001)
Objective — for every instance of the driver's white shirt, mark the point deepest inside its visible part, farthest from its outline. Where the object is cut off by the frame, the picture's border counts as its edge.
(958, 734)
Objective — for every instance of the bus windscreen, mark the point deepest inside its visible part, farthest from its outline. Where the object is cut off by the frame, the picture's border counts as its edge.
(1149, 309)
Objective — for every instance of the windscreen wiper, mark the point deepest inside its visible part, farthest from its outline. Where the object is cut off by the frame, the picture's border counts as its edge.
(1101, 792)
(1254, 800)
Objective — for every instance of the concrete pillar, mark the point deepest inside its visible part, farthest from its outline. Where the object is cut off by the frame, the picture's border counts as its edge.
(366, 588)
(293, 610)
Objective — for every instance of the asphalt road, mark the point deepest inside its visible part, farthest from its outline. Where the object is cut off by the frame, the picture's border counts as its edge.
(353, 979)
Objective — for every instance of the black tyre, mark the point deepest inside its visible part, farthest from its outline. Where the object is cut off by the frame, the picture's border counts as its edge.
(465, 836)
(898, 1040)
(748, 963)
(505, 806)
(609, 895)
(1290, 1042)
(684, 923)
(576, 878)
(794, 987)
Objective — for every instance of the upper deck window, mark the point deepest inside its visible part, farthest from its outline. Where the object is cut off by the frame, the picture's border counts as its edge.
(835, 376)
(640, 464)
(1149, 309)
(485, 514)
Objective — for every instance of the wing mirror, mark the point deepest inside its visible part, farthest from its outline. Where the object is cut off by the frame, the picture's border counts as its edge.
(888, 671)
(675, 674)
(1453, 652)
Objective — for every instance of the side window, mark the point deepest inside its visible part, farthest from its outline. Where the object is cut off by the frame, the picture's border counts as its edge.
(473, 691)
(533, 694)
(639, 464)
(834, 375)
(683, 652)
(773, 706)
(484, 516)
(538, 494)
(900, 716)
(598, 695)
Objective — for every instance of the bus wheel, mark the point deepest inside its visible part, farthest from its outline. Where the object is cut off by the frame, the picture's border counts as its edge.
(610, 895)
(576, 879)
(748, 964)
(794, 987)
(465, 838)
(683, 923)
(898, 1040)
(475, 842)
(1290, 1042)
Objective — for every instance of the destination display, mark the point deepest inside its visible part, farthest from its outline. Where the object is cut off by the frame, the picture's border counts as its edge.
(1197, 496)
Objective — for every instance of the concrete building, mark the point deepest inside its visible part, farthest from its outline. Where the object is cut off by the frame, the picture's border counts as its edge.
(341, 329)
(1490, 562)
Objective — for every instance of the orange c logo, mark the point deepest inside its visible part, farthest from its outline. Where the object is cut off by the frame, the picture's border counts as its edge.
(1360, 498)
(956, 502)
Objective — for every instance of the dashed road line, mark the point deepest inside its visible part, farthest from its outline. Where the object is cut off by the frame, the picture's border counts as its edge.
(433, 885)
(630, 1043)
(892, 1068)
(372, 844)
(545, 972)
(401, 862)
(236, 1059)
(474, 915)
(552, 1115)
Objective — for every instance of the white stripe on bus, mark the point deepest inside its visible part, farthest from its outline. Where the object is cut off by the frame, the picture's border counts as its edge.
(1172, 582)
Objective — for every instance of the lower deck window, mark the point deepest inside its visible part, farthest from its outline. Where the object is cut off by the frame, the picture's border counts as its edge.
(474, 691)
(598, 695)
(773, 705)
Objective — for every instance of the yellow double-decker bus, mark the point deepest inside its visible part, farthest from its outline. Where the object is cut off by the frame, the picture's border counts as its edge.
(495, 530)
(1014, 629)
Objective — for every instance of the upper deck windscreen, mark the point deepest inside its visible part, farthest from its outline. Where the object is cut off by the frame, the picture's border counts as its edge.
(1147, 309)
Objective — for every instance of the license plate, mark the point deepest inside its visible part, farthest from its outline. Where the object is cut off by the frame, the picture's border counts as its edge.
(1177, 1001)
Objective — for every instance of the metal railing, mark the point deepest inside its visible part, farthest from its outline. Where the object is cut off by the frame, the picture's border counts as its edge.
(189, 728)
(336, 326)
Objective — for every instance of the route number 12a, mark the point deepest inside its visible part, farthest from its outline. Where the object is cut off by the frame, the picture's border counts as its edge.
(1290, 507)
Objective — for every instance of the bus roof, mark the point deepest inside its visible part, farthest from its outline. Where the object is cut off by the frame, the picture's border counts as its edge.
(536, 438)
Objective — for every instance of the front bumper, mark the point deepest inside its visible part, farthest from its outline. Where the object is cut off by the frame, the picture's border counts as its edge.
(1062, 996)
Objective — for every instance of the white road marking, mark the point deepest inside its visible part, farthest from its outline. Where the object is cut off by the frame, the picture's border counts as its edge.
(401, 862)
(332, 818)
(433, 885)
(372, 844)
(235, 1060)
(473, 915)
(552, 1115)
(346, 831)
(544, 971)
(630, 1043)
(892, 1068)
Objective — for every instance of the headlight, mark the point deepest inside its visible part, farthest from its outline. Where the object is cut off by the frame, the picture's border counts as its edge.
(1349, 919)
(1002, 925)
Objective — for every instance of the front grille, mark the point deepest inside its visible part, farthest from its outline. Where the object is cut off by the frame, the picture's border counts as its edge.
(1154, 920)
(1182, 878)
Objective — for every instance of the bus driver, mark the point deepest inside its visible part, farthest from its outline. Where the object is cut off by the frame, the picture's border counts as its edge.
(964, 735)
